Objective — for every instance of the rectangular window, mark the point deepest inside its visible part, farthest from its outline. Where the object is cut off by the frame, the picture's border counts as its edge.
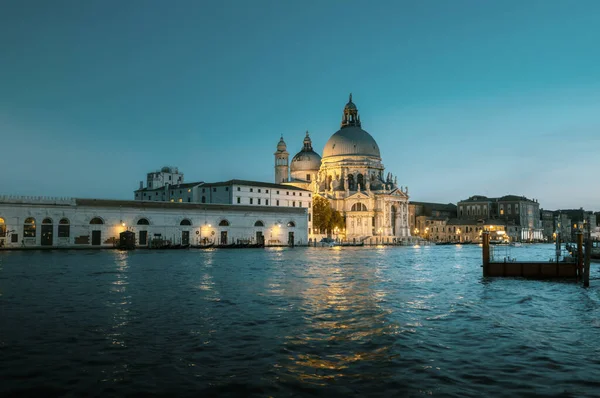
(14, 238)
(266, 202)
(266, 191)
(251, 189)
(238, 189)
(238, 199)
(294, 204)
(214, 189)
(308, 177)
(258, 200)
(294, 193)
(63, 231)
(277, 202)
(189, 199)
(308, 217)
(258, 190)
(250, 200)
(309, 195)
(299, 204)
(508, 209)
(300, 193)
(287, 193)
(227, 188)
(169, 178)
(277, 192)
(150, 185)
(203, 190)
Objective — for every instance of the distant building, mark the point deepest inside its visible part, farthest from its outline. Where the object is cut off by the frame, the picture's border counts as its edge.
(420, 212)
(520, 215)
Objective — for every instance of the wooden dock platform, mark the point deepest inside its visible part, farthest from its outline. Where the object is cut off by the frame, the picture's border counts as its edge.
(565, 269)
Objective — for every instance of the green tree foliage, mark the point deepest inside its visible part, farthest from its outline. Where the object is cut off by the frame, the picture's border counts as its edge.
(325, 219)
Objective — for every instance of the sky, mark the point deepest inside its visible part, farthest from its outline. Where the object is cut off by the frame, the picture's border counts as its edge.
(464, 97)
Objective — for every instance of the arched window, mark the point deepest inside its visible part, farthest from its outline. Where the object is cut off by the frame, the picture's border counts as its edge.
(291, 224)
(224, 223)
(29, 228)
(259, 224)
(143, 221)
(185, 221)
(351, 182)
(360, 180)
(64, 229)
(358, 207)
(47, 221)
(96, 221)
(2, 228)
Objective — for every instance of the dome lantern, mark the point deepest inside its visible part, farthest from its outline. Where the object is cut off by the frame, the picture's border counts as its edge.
(351, 118)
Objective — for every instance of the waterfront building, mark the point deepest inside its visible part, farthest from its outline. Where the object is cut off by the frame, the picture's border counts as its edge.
(80, 223)
(350, 175)
(232, 192)
(520, 215)
(420, 212)
(568, 222)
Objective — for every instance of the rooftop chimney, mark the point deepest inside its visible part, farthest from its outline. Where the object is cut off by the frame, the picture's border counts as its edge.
(141, 184)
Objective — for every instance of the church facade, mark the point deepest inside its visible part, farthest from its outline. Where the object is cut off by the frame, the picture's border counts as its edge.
(351, 176)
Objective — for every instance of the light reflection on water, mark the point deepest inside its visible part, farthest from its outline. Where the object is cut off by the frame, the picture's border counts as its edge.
(352, 321)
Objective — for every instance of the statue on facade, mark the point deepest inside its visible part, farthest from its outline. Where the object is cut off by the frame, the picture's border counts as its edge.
(358, 187)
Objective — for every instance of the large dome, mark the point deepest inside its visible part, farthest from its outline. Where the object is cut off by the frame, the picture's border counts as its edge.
(351, 140)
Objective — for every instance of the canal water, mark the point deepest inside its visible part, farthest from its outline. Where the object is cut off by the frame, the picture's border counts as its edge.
(389, 321)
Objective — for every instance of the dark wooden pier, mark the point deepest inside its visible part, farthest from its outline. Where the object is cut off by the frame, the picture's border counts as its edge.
(574, 268)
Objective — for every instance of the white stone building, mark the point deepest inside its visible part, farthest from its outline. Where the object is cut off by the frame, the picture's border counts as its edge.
(351, 176)
(232, 192)
(80, 223)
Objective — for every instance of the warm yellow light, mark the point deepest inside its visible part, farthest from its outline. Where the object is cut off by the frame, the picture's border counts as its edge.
(123, 224)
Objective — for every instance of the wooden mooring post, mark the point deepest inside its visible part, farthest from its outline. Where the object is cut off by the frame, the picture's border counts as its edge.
(588, 254)
(579, 236)
(485, 239)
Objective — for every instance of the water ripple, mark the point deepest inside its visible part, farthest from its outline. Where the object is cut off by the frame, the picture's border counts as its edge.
(409, 321)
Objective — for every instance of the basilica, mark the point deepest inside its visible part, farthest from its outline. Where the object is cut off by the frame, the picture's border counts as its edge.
(351, 176)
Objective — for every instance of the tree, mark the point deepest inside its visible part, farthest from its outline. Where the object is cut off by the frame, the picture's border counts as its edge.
(325, 219)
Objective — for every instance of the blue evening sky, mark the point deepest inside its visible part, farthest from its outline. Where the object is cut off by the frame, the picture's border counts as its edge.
(463, 97)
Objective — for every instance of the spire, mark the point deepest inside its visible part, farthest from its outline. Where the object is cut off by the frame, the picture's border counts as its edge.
(350, 117)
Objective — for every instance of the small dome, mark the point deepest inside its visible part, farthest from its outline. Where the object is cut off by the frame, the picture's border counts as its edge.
(351, 140)
(281, 146)
(306, 160)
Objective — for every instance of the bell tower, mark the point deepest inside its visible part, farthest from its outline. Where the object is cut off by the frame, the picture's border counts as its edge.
(282, 169)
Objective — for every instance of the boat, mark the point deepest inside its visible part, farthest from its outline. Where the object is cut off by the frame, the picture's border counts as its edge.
(327, 242)
(350, 244)
(203, 246)
(515, 244)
